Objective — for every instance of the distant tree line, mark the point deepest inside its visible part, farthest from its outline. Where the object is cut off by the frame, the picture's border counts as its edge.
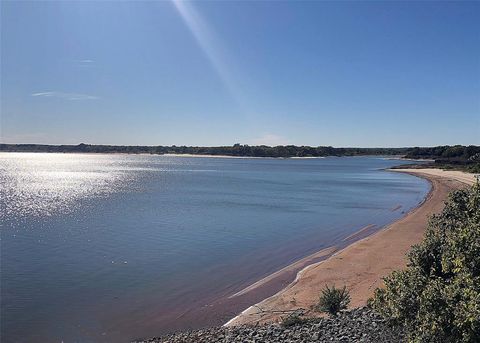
(235, 150)
(451, 153)
(453, 157)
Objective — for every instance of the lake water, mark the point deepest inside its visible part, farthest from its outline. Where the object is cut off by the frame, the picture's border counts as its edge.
(99, 248)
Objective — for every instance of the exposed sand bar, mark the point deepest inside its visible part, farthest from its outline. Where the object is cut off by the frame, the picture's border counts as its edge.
(467, 178)
(361, 265)
(294, 266)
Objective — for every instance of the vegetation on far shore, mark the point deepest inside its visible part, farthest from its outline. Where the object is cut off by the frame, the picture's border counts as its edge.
(457, 154)
(457, 157)
(437, 297)
(234, 150)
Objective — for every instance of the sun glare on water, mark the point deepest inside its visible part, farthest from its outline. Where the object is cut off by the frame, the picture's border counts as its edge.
(42, 184)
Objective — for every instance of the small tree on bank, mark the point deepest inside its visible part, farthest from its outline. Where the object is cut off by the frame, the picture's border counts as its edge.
(332, 300)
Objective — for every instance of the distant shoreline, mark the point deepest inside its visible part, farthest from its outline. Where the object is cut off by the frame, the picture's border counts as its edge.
(466, 158)
(354, 265)
(388, 157)
(228, 156)
(236, 150)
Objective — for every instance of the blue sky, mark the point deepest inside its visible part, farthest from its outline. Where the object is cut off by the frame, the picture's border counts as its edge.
(218, 73)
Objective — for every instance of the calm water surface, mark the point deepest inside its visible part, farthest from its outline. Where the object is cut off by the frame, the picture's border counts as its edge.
(94, 247)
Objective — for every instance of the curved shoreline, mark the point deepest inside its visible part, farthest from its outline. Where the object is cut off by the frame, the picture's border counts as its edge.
(329, 251)
(362, 264)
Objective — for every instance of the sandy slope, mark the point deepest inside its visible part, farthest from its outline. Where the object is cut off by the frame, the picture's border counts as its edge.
(361, 265)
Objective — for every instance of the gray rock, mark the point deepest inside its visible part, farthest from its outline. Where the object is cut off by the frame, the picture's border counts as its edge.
(357, 325)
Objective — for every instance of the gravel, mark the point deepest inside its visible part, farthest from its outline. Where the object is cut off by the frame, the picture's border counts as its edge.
(357, 325)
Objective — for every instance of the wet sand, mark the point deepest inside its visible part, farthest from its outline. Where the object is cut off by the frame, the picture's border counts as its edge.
(361, 265)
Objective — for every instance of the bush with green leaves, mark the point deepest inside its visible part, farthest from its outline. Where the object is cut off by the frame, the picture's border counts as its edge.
(292, 320)
(437, 297)
(332, 300)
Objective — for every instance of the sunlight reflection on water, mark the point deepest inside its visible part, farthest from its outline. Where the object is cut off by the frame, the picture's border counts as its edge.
(43, 184)
(39, 185)
(190, 229)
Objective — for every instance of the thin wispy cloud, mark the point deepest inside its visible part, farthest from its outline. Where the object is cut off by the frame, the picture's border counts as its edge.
(85, 63)
(65, 96)
(270, 140)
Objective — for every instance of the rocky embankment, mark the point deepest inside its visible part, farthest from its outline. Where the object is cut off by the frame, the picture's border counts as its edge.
(358, 325)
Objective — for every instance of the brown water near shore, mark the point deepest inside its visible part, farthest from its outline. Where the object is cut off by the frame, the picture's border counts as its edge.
(362, 265)
(151, 244)
(297, 285)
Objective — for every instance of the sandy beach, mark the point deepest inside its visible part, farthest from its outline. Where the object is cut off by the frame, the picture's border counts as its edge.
(449, 174)
(361, 265)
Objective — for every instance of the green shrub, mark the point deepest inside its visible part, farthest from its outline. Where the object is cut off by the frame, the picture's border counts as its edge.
(474, 168)
(332, 300)
(437, 297)
(292, 319)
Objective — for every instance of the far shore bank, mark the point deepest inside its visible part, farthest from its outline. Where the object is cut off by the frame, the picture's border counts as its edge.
(361, 265)
(196, 155)
(242, 157)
